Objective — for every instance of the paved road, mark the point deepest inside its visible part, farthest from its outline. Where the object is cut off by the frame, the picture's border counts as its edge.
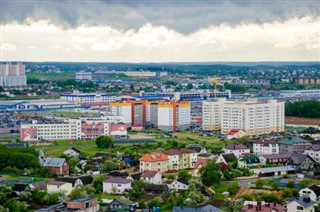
(246, 183)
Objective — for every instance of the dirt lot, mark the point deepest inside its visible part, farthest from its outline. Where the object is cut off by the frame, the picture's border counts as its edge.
(303, 121)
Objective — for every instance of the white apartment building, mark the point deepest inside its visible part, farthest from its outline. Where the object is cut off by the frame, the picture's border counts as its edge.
(122, 109)
(12, 75)
(82, 98)
(314, 152)
(253, 116)
(84, 76)
(265, 147)
(238, 150)
(174, 115)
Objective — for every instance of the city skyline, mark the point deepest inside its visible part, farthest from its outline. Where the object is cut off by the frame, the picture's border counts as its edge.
(159, 31)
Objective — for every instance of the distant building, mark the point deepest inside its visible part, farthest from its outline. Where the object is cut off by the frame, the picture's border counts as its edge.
(57, 165)
(83, 76)
(238, 150)
(152, 177)
(265, 147)
(179, 184)
(88, 98)
(55, 186)
(253, 116)
(12, 75)
(308, 81)
(248, 161)
(84, 204)
(314, 152)
(154, 161)
(250, 82)
(294, 144)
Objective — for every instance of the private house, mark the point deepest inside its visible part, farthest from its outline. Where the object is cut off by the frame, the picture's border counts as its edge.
(211, 208)
(314, 152)
(75, 181)
(248, 161)
(84, 204)
(238, 150)
(181, 158)
(154, 161)
(263, 207)
(179, 184)
(122, 204)
(312, 191)
(186, 209)
(265, 147)
(294, 144)
(152, 177)
(226, 158)
(156, 189)
(301, 161)
(302, 204)
(198, 148)
(55, 186)
(19, 187)
(116, 185)
(236, 133)
(72, 152)
(38, 185)
(275, 159)
(59, 166)
(199, 164)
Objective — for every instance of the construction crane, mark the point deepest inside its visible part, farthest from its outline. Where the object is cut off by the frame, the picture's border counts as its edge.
(215, 81)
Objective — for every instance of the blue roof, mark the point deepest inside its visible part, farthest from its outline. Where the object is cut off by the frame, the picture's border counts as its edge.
(150, 97)
(294, 140)
(55, 162)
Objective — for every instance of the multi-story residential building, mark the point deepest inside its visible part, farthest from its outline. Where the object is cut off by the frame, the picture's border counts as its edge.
(83, 76)
(12, 75)
(181, 159)
(308, 81)
(174, 116)
(72, 129)
(275, 159)
(265, 147)
(238, 150)
(314, 152)
(253, 116)
(116, 185)
(85, 98)
(294, 144)
(154, 161)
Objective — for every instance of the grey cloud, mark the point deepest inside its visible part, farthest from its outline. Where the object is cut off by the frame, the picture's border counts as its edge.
(184, 16)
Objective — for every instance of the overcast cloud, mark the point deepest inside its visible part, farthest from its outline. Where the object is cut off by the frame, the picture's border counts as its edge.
(158, 31)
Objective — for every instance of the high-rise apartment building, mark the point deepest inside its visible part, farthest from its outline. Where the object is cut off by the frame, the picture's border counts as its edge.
(253, 116)
(12, 75)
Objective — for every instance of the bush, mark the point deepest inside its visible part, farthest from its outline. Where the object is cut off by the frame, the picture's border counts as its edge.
(233, 188)
(259, 183)
(290, 184)
(275, 185)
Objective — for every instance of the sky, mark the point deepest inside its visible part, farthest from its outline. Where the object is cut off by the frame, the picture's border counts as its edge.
(159, 30)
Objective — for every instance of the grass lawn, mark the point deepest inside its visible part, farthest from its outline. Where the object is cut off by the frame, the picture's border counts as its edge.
(51, 76)
(106, 196)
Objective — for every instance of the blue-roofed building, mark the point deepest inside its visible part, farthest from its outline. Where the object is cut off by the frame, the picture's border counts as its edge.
(82, 98)
(122, 204)
(302, 204)
(57, 165)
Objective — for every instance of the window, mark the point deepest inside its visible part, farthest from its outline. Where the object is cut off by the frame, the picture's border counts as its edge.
(300, 208)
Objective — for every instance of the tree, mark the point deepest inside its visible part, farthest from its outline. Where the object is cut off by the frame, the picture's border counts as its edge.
(104, 142)
(14, 205)
(98, 183)
(275, 185)
(189, 86)
(290, 184)
(184, 174)
(156, 202)
(287, 192)
(3, 198)
(233, 188)
(259, 183)
(303, 184)
(78, 192)
(24, 195)
(210, 174)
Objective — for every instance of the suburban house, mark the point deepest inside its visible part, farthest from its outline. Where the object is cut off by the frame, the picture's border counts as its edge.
(198, 148)
(38, 185)
(156, 189)
(248, 161)
(84, 204)
(263, 207)
(226, 158)
(186, 209)
(265, 147)
(179, 184)
(58, 166)
(211, 208)
(116, 185)
(18, 187)
(55, 186)
(199, 164)
(122, 204)
(294, 144)
(236, 133)
(75, 181)
(314, 152)
(237, 149)
(275, 159)
(312, 191)
(302, 161)
(72, 152)
(181, 158)
(154, 161)
(152, 177)
(302, 204)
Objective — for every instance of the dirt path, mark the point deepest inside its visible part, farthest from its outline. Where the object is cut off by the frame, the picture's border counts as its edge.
(241, 191)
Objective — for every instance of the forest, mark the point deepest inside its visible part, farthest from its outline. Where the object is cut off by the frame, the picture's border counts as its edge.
(304, 109)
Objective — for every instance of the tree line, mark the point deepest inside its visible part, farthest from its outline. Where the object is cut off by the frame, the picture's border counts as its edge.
(305, 109)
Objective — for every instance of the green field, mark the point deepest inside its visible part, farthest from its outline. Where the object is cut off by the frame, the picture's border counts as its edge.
(51, 76)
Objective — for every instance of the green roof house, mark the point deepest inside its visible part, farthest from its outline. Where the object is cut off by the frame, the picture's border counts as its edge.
(294, 144)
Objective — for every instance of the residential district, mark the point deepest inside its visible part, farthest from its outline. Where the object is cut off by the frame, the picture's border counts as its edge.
(195, 146)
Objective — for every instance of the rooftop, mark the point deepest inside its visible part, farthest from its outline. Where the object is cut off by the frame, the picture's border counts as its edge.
(294, 140)
(82, 199)
(118, 180)
(277, 169)
(54, 162)
(154, 157)
(236, 147)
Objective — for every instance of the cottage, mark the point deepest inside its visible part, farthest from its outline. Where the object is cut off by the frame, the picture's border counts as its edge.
(302, 161)
(265, 147)
(84, 204)
(226, 158)
(116, 185)
(312, 191)
(275, 159)
(181, 159)
(294, 144)
(302, 204)
(75, 181)
(57, 165)
(314, 152)
(152, 177)
(72, 152)
(55, 186)
(19, 187)
(38, 185)
(248, 161)
(154, 161)
(122, 204)
(236, 133)
(237, 149)
(179, 184)
(156, 189)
